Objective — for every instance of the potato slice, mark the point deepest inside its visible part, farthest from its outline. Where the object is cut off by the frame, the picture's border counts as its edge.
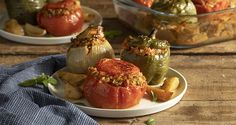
(160, 94)
(73, 84)
(71, 78)
(72, 92)
(35, 31)
(12, 26)
(171, 84)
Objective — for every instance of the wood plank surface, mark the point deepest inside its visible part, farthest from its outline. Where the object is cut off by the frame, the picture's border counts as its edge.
(186, 113)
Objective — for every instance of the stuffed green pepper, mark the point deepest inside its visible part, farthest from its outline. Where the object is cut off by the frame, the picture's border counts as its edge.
(151, 55)
(177, 7)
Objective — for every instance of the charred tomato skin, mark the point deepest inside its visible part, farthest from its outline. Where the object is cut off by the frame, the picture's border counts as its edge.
(61, 25)
(106, 95)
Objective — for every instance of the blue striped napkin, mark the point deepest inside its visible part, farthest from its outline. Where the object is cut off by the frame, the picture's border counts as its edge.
(34, 105)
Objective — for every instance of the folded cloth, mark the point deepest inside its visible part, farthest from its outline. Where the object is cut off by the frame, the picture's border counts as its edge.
(34, 105)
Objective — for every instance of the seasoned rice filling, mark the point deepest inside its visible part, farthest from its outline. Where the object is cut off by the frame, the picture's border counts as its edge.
(92, 37)
(120, 80)
(145, 46)
(62, 11)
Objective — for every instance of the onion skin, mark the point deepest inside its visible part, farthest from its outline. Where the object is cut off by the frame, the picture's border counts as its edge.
(87, 49)
(80, 58)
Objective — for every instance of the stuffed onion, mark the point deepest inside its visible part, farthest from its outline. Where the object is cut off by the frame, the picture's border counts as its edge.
(87, 48)
(150, 55)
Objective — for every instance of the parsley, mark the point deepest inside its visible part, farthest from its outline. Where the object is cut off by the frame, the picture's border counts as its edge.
(42, 79)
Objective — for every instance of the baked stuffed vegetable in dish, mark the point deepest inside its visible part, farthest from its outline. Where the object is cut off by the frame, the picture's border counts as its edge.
(183, 23)
(177, 7)
(24, 11)
(114, 84)
(87, 48)
(151, 55)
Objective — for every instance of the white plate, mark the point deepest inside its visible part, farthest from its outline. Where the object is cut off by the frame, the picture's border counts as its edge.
(47, 40)
(145, 106)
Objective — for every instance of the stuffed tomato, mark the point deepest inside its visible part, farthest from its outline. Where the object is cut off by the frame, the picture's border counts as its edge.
(114, 84)
(61, 18)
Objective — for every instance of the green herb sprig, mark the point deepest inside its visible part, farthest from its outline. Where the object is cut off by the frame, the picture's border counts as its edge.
(42, 80)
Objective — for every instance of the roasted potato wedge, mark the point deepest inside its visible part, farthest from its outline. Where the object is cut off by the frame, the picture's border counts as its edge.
(72, 92)
(73, 84)
(170, 84)
(71, 78)
(160, 94)
(12, 26)
(35, 31)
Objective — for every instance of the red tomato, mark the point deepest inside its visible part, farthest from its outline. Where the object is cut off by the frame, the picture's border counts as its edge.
(60, 23)
(205, 6)
(105, 95)
(114, 66)
(147, 3)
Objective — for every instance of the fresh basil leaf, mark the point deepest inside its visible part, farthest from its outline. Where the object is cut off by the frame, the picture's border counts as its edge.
(49, 80)
(42, 79)
(150, 121)
(45, 83)
(27, 83)
(52, 81)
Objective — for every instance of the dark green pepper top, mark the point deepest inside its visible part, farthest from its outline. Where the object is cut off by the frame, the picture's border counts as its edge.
(149, 54)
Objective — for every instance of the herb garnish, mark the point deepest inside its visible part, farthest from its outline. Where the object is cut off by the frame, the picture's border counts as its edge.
(150, 121)
(42, 79)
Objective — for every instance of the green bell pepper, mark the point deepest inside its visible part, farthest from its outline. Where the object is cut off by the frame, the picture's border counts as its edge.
(178, 7)
(153, 65)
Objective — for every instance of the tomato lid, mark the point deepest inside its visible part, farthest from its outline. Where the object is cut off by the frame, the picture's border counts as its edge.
(116, 67)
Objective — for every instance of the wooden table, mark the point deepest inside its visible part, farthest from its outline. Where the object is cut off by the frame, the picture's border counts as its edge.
(210, 72)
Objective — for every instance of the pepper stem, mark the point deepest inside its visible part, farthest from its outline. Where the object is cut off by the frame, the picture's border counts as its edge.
(153, 34)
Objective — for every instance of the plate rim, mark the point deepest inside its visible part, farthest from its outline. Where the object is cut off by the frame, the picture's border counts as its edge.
(167, 104)
(29, 39)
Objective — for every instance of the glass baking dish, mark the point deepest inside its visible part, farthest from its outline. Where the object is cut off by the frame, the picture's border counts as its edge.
(181, 31)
